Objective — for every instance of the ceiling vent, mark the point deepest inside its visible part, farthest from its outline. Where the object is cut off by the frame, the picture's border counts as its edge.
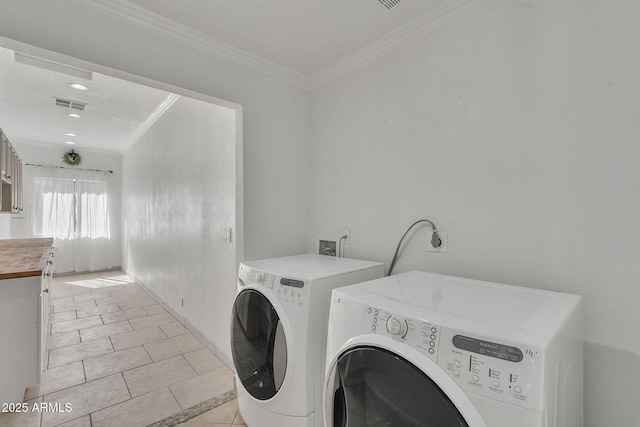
(385, 5)
(68, 104)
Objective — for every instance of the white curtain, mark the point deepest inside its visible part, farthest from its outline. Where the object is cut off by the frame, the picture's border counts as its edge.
(71, 206)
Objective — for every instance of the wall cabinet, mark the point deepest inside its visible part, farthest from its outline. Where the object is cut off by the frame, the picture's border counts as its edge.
(10, 177)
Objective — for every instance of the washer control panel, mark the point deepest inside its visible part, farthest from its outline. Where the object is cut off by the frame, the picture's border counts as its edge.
(499, 370)
(419, 334)
(288, 290)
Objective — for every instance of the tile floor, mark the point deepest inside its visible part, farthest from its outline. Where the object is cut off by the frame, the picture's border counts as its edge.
(120, 359)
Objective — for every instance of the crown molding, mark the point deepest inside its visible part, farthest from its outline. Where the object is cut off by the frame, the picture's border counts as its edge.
(153, 117)
(125, 11)
(415, 29)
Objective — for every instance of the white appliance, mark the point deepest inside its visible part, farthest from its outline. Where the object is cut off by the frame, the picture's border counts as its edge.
(420, 349)
(278, 334)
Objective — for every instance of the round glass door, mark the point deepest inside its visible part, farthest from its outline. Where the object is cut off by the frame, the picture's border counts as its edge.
(258, 344)
(375, 387)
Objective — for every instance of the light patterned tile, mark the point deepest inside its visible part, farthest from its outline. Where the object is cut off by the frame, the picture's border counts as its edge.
(126, 305)
(92, 295)
(132, 339)
(239, 421)
(154, 309)
(106, 300)
(62, 316)
(64, 355)
(174, 329)
(140, 295)
(78, 422)
(59, 378)
(190, 424)
(62, 340)
(153, 320)
(62, 300)
(123, 315)
(174, 346)
(96, 311)
(119, 361)
(30, 418)
(86, 398)
(105, 331)
(70, 325)
(57, 308)
(203, 360)
(223, 414)
(139, 411)
(194, 390)
(126, 289)
(156, 375)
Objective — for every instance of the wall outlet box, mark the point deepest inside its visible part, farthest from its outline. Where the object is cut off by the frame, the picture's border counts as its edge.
(327, 247)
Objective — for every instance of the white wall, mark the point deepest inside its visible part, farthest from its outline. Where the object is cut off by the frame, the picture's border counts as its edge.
(515, 130)
(275, 116)
(179, 193)
(275, 119)
(51, 155)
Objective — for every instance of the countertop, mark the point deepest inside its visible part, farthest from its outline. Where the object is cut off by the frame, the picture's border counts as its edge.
(23, 257)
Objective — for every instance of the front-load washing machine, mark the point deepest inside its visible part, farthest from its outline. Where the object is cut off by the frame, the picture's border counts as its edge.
(278, 334)
(426, 350)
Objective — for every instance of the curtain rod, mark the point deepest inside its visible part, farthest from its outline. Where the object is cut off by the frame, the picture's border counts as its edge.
(64, 167)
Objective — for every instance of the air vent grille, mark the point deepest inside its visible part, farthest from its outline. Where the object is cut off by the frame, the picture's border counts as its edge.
(385, 5)
(68, 104)
(389, 4)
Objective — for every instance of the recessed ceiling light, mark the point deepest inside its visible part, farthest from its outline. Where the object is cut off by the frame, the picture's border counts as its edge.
(78, 86)
(70, 142)
(74, 115)
(70, 134)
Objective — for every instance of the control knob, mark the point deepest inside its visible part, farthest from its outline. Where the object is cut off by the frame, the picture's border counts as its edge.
(259, 277)
(396, 326)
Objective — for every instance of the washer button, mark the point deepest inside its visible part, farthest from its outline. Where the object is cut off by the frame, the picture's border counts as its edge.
(456, 373)
(433, 330)
(517, 389)
(457, 363)
(475, 378)
(433, 337)
(431, 351)
(431, 344)
(496, 384)
(369, 310)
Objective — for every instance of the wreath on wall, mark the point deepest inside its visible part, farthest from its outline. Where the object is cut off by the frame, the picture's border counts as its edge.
(71, 158)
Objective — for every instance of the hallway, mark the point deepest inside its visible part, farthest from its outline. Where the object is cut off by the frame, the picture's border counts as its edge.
(116, 357)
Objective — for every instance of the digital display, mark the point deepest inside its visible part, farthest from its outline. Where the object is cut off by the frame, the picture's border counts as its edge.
(292, 282)
(486, 348)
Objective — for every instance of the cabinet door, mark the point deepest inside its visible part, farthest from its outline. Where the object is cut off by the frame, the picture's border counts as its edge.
(43, 313)
(19, 187)
(14, 166)
(3, 155)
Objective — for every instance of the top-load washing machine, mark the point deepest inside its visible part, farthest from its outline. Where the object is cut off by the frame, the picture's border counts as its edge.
(278, 334)
(426, 350)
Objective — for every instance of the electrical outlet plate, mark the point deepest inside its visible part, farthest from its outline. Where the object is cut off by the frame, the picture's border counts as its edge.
(346, 232)
(444, 247)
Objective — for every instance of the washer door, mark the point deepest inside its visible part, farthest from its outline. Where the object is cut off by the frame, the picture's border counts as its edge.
(369, 384)
(258, 344)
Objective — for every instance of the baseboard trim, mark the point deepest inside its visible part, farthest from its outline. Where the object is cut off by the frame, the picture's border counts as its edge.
(195, 331)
